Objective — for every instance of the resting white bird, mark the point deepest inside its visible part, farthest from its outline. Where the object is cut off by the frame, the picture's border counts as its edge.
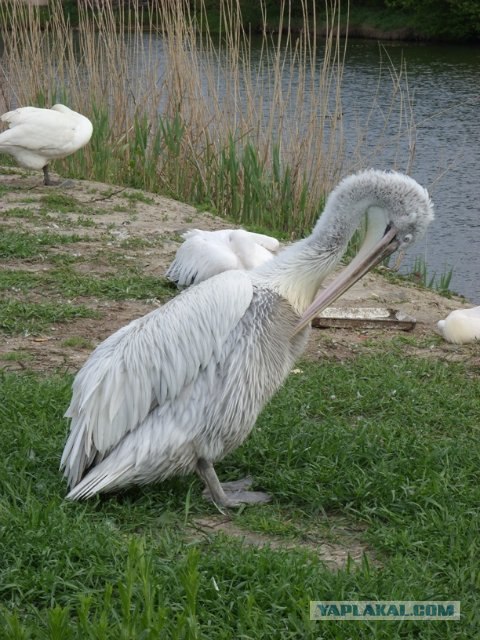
(37, 136)
(461, 326)
(207, 253)
(177, 390)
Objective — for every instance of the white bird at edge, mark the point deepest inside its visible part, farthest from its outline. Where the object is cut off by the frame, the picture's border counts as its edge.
(461, 326)
(207, 253)
(37, 136)
(175, 391)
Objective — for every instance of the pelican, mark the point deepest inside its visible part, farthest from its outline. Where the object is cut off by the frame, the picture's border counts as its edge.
(461, 326)
(37, 136)
(207, 253)
(175, 391)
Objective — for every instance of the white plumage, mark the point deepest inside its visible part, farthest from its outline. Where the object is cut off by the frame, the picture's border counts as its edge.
(37, 136)
(207, 253)
(461, 326)
(177, 390)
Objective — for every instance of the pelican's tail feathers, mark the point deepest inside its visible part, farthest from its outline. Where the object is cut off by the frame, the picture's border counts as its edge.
(100, 480)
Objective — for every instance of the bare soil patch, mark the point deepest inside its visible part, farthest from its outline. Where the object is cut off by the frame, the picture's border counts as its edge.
(140, 229)
(347, 547)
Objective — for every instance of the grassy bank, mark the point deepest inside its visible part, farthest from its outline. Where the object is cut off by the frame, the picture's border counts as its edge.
(424, 20)
(372, 458)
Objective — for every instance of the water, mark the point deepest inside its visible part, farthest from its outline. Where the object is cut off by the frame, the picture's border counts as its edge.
(444, 93)
(444, 83)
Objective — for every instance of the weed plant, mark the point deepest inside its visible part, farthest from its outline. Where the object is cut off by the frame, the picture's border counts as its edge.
(440, 283)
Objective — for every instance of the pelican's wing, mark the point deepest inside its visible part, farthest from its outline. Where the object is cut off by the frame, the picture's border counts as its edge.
(148, 362)
(21, 115)
(473, 312)
(200, 257)
(267, 242)
(41, 130)
(220, 235)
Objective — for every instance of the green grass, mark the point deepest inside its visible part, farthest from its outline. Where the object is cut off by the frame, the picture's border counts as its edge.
(140, 243)
(137, 196)
(55, 202)
(439, 283)
(77, 342)
(61, 202)
(125, 284)
(85, 221)
(5, 189)
(389, 442)
(16, 356)
(31, 318)
(20, 212)
(22, 244)
(420, 277)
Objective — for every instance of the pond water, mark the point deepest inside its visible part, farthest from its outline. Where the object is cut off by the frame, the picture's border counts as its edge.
(444, 88)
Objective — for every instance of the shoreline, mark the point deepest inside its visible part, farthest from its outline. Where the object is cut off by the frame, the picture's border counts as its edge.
(372, 23)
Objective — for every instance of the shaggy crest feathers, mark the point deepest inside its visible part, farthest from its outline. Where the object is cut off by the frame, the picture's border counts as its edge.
(383, 196)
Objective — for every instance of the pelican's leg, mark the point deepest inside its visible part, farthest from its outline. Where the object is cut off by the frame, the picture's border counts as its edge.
(228, 494)
(46, 178)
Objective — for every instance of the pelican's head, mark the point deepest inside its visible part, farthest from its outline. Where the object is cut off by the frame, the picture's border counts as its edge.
(397, 209)
(391, 201)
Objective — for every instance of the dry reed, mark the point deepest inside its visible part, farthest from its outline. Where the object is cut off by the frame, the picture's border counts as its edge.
(178, 111)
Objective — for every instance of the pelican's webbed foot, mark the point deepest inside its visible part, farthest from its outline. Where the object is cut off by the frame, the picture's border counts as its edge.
(228, 494)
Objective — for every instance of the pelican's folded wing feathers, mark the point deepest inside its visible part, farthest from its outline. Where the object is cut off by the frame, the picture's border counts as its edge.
(267, 242)
(31, 128)
(151, 360)
(200, 257)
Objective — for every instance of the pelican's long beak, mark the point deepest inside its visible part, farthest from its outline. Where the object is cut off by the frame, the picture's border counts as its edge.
(357, 268)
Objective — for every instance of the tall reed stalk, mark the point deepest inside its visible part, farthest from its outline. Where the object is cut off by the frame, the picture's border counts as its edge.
(178, 112)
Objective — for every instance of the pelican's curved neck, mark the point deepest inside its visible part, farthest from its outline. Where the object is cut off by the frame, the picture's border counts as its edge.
(298, 272)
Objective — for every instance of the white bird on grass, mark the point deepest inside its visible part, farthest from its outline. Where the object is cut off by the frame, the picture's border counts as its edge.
(175, 391)
(37, 136)
(461, 326)
(207, 253)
